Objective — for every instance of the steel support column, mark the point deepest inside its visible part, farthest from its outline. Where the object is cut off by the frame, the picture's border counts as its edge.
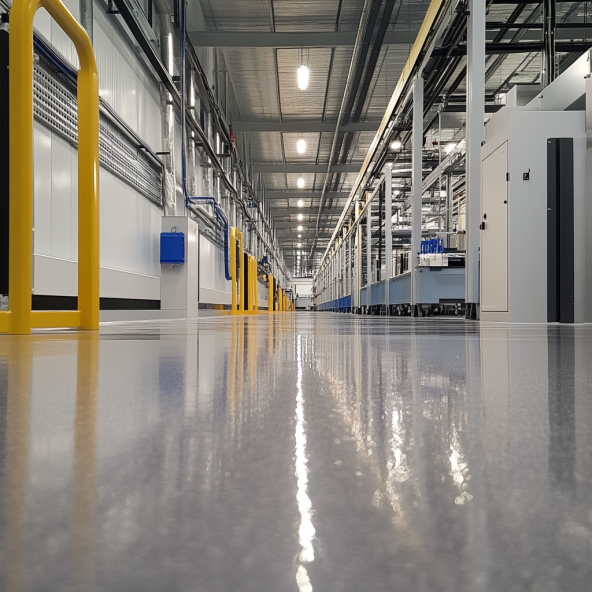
(548, 56)
(474, 139)
(358, 258)
(388, 233)
(416, 181)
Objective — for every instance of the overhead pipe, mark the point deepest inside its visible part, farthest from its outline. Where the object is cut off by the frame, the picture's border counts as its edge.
(350, 76)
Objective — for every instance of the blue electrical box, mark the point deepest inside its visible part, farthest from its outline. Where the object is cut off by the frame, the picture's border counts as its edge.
(172, 247)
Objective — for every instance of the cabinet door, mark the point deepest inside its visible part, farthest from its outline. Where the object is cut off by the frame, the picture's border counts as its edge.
(494, 233)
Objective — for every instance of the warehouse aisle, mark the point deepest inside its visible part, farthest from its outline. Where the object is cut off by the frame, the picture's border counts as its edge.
(298, 452)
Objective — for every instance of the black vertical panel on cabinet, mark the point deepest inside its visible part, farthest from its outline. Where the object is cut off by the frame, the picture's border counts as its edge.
(560, 231)
(3, 162)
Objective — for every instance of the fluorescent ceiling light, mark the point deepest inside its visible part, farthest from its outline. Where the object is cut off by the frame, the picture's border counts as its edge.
(449, 147)
(301, 146)
(300, 203)
(300, 217)
(303, 74)
(396, 145)
(300, 228)
(300, 183)
(299, 236)
(299, 244)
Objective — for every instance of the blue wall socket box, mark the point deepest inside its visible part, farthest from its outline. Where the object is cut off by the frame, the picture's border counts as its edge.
(172, 247)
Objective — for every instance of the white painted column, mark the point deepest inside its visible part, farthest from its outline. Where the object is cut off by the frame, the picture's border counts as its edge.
(388, 233)
(416, 181)
(475, 135)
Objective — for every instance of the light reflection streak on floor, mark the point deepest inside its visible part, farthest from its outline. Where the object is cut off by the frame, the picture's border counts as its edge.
(306, 529)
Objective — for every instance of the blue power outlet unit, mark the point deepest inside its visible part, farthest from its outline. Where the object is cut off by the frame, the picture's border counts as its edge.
(172, 247)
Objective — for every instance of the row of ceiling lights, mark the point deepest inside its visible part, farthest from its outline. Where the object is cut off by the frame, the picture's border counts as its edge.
(303, 77)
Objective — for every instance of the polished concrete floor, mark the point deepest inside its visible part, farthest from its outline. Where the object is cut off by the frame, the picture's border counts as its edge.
(297, 452)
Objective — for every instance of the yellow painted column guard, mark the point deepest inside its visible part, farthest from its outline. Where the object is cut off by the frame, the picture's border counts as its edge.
(270, 294)
(233, 279)
(250, 308)
(241, 274)
(19, 319)
(254, 286)
(238, 294)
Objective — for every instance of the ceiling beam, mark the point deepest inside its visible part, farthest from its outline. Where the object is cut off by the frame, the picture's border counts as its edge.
(303, 126)
(306, 168)
(289, 40)
(305, 194)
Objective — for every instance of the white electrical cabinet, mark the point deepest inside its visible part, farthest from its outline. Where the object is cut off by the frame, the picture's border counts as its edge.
(516, 217)
(179, 283)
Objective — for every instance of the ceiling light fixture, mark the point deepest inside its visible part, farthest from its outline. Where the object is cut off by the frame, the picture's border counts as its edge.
(301, 146)
(299, 244)
(300, 217)
(300, 203)
(300, 228)
(303, 75)
(299, 236)
(396, 145)
(300, 183)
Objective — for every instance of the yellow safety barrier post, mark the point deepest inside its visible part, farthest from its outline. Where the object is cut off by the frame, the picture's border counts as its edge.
(255, 286)
(234, 279)
(241, 275)
(249, 270)
(19, 319)
(250, 284)
(270, 294)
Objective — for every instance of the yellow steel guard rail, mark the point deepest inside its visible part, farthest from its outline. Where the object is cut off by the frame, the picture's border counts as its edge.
(238, 294)
(19, 319)
(249, 308)
(254, 286)
(270, 294)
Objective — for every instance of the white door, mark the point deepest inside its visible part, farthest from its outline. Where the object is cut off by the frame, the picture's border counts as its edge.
(494, 233)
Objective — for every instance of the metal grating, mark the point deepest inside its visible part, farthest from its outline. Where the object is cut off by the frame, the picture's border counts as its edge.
(56, 107)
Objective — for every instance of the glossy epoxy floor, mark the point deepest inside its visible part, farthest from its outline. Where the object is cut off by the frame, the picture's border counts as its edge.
(297, 452)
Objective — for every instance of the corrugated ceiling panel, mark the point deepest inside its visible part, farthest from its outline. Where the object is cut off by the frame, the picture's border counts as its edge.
(237, 15)
(305, 15)
(305, 104)
(252, 72)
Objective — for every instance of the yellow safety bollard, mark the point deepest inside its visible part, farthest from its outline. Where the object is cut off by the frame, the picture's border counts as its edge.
(241, 275)
(234, 279)
(256, 285)
(19, 319)
(270, 294)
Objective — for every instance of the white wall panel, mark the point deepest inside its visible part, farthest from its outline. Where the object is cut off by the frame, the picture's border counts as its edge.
(59, 277)
(42, 162)
(130, 228)
(124, 83)
(211, 273)
(61, 198)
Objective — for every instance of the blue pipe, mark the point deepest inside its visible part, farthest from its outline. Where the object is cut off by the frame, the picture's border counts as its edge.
(220, 216)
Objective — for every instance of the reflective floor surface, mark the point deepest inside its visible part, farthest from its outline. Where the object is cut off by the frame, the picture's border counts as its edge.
(297, 452)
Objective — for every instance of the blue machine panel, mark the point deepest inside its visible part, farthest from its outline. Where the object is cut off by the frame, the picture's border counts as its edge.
(172, 247)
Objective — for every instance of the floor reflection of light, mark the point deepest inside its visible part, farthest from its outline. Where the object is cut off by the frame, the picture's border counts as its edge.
(306, 531)
(459, 470)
